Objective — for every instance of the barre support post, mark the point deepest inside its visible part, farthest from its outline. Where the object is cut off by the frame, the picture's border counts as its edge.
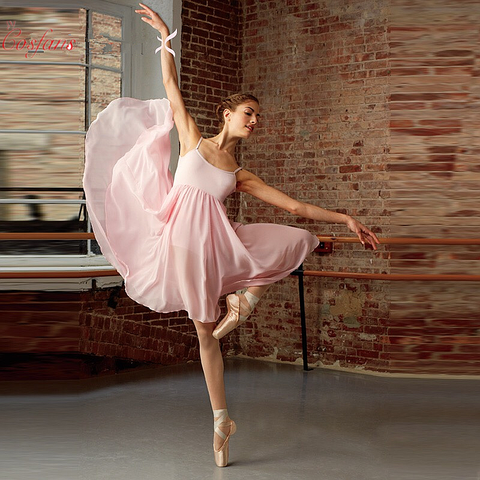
(299, 273)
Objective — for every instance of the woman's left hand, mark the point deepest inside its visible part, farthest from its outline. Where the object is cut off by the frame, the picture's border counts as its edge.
(366, 236)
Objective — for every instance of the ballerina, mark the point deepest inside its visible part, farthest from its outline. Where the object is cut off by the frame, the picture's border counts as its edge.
(183, 253)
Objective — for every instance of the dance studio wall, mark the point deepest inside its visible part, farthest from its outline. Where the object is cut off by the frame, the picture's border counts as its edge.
(75, 334)
(321, 71)
(60, 335)
(369, 107)
(434, 173)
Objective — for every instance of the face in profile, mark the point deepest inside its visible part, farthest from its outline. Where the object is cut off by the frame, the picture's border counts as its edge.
(244, 119)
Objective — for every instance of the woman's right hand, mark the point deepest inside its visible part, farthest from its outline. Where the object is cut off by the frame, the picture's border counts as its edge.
(154, 21)
(366, 236)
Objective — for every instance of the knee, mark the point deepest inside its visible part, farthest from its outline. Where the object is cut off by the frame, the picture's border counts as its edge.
(204, 332)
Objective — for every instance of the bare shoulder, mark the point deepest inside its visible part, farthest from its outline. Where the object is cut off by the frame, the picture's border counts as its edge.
(245, 175)
(248, 182)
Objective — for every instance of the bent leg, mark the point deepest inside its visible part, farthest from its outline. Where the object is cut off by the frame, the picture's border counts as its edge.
(249, 300)
(239, 307)
(258, 291)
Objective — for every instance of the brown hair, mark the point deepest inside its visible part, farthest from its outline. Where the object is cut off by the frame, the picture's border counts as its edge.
(231, 103)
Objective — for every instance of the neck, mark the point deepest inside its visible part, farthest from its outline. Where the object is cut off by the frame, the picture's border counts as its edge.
(224, 141)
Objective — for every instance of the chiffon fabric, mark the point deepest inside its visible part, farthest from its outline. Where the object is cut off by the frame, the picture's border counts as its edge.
(171, 240)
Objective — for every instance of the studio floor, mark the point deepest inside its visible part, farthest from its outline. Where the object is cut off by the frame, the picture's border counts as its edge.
(292, 425)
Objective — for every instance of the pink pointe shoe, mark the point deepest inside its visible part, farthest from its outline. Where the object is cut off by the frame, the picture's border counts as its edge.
(221, 455)
(233, 318)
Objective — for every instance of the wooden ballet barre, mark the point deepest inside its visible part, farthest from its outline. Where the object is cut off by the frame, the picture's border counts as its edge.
(60, 274)
(395, 276)
(321, 238)
(405, 241)
(47, 236)
(311, 273)
(306, 273)
(399, 276)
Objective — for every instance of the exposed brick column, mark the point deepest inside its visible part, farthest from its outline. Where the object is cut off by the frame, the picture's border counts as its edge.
(211, 70)
(211, 55)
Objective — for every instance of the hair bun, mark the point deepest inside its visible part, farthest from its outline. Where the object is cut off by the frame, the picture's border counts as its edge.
(231, 103)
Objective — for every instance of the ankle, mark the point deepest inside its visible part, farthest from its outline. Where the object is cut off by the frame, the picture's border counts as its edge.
(251, 299)
(220, 415)
(248, 301)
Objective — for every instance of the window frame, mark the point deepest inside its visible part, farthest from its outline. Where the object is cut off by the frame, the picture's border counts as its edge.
(59, 263)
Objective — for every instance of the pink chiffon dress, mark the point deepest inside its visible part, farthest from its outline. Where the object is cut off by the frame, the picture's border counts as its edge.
(170, 239)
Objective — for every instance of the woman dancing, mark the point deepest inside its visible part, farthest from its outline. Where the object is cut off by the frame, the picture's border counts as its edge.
(170, 239)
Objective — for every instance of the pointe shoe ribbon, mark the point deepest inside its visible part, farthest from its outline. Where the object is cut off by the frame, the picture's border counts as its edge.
(164, 44)
(221, 455)
(233, 318)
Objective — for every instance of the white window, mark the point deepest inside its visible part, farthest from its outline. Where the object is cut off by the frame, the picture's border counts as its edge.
(61, 63)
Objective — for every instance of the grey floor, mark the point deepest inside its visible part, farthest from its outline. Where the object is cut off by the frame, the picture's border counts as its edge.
(318, 425)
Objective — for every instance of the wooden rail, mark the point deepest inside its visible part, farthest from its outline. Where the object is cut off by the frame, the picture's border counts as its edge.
(406, 240)
(307, 273)
(47, 236)
(399, 276)
(322, 238)
(396, 276)
(87, 273)
(313, 273)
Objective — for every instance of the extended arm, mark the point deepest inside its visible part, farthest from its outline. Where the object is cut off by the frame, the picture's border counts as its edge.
(187, 129)
(249, 183)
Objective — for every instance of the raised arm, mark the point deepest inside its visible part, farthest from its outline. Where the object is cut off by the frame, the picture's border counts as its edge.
(188, 131)
(249, 183)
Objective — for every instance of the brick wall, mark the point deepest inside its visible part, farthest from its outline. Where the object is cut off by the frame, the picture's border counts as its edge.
(433, 186)
(39, 335)
(321, 70)
(367, 108)
(36, 322)
(370, 108)
(211, 63)
(115, 326)
(211, 49)
(73, 335)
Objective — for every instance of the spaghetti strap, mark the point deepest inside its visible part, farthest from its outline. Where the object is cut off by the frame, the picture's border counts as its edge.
(199, 142)
(238, 169)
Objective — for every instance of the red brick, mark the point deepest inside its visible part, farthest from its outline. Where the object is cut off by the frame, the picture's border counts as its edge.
(461, 357)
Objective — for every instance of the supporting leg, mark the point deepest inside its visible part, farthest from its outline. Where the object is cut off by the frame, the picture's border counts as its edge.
(213, 368)
(212, 364)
